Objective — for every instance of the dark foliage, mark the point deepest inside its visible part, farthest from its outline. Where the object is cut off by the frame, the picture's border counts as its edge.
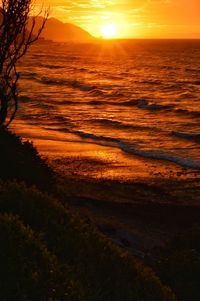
(21, 161)
(100, 270)
(179, 264)
(27, 269)
(54, 255)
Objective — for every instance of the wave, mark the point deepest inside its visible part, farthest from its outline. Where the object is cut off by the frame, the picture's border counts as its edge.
(127, 103)
(140, 103)
(69, 58)
(186, 95)
(194, 114)
(52, 66)
(185, 162)
(44, 55)
(170, 67)
(110, 95)
(192, 69)
(195, 137)
(144, 104)
(150, 82)
(114, 77)
(197, 82)
(115, 94)
(97, 102)
(82, 69)
(62, 81)
(55, 81)
(83, 87)
(77, 102)
(28, 75)
(118, 124)
(96, 92)
(95, 137)
(92, 89)
(127, 148)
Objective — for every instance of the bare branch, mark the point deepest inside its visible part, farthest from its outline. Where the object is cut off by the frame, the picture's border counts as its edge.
(15, 39)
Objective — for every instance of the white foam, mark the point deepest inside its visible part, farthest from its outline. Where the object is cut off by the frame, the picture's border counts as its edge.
(151, 154)
(185, 162)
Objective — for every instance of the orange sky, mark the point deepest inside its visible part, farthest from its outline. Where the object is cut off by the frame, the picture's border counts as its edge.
(132, 18)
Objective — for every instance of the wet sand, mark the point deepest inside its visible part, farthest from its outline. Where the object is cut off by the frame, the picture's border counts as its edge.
(139, 204)
(78, 157)
(102, 162)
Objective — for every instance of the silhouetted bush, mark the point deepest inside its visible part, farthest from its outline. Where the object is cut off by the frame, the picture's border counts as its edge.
(179, 264)
(21, 161)
(27, 269)
(102, 271)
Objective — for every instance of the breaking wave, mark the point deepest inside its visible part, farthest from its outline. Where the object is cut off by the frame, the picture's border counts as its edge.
(69, 82)
(118, 124)
(150, 154)
(182, 161)
(195, 137)
(193, 114)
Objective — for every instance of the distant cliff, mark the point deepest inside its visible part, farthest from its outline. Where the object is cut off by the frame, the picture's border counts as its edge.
(62, 32)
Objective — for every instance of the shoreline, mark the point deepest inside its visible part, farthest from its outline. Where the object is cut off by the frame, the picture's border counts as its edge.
(102, 162)
(134, 212)
(140, 214)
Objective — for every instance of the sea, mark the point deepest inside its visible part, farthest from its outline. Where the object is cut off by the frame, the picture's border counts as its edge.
(137, 98)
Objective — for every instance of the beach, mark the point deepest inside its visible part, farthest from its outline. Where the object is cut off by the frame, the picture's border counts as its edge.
(121, 130)
(100, 151)
(137, 203)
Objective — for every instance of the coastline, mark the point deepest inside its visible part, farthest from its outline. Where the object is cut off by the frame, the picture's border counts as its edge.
(138, 213)
(139, 203)
(141, 225)
(141, 209)
(100, 170)
(81, 157)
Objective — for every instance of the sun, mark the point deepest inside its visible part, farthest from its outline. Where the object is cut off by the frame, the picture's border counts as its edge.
(108, 31)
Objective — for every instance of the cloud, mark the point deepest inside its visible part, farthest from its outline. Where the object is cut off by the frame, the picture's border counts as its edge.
(152, 13)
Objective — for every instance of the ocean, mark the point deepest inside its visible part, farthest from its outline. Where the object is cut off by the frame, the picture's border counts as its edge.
(115, 103)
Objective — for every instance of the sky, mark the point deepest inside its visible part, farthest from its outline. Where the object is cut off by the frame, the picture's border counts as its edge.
(131, 18)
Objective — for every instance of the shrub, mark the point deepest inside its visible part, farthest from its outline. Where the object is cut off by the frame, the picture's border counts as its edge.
(28, 271)
(102, 271)
(179, 264)
(21, 161)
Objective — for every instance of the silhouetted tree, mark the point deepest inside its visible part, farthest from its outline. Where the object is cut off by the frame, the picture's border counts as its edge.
(15, 40)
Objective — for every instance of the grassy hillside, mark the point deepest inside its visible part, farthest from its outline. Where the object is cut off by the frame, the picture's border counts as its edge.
(179, 264)
(48, 253)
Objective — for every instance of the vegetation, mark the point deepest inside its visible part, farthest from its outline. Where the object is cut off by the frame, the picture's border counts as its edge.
(28, 271)
(20, 161)
(179, 264)
(48, 253)
(99, 269)
(15, 40)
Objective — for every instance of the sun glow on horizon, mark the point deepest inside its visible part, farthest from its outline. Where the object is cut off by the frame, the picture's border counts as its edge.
(108, 31)
(130, 19)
